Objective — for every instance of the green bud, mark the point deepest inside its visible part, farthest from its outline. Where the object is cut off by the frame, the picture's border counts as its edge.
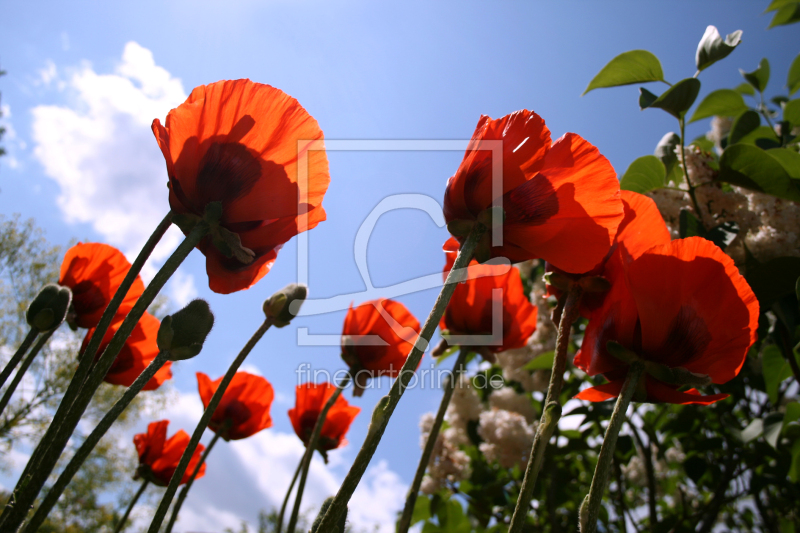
(324, 509)
(49, 308)
(284, 305)
(182, 334)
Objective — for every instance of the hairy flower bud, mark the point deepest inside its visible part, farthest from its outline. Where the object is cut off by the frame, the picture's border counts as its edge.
(324, 509)
(284, 305)
(49, 308)
(182, 334)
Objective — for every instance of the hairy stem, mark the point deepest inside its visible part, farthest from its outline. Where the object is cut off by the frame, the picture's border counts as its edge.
(551, 412)
(411, 500)
(590, 509)
(18, 355)
(185, 490)
(135, 499)
(288, 494)
(161, 512)
(692, 194)
(385, 408)
(24, 368)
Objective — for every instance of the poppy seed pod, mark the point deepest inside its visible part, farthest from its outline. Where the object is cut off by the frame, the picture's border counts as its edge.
(324, 509)
(279, 306)
(49, 308)
(183, 333)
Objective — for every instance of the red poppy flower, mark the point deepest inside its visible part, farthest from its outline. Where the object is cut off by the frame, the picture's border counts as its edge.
(94, 272)
(471, 308)
(159, 456)
(561, 202)
(138, 351)
(256, 150)
(309, 400)
(680, 305)
(641, 228)
(244, 408)
(368, 356)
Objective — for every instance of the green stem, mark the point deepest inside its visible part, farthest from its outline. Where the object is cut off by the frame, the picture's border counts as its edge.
(310, 447)
(161, 512)
(58, 435)
(692, 195)
(91, 441)
(288, 494)
(135, 499)
(590, 509)
(551, 413)
(385, 408)
(647, 456)
(18, 355)
(763, 110)
(24, 368)
(185, 490)
(430, 444)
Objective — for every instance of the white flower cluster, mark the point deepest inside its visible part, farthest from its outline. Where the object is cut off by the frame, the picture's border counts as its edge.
(543, 340)
(769, 227)
(507, 436)
(510, 400)
(447, 463)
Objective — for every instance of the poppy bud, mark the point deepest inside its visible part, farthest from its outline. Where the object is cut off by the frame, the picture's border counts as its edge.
(49, 308)
(182, 334)
(324, 509)
(284, 305)
(557, 280)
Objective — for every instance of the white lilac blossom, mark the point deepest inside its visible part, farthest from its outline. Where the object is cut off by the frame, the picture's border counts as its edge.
(447, 463)
(507, 437)
(510, 400)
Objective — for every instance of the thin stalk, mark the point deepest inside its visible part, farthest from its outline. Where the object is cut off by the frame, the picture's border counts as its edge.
(185, 490)
(411, 500)
(763, 110)
(590, 509)
(18, 355)
(91, 441)
(85, 363)
(135, 499)
(647, 456)
(692, 195)
(288, 494)
(24, 368)
(385, 408)
(33, 479)
(551, 413)
(163, 507)
(310, 447)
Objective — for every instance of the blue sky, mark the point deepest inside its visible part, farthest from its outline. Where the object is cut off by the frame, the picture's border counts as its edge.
(82, 161)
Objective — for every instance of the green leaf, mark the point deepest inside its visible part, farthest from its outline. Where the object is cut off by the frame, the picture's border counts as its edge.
(723, 235)
(753, 168)
(704, 143)
(676, 100)
(789, 160)
(635, 66)
(689, 225)
(447, 353)
(774, 279)
(793, 78)
(644, 174)
(777, 4)
(744, 124)
(773, 423)
(788, 14)
(759, 77)
(779, 100)
(792, 413)
(794, 469)
(422, 510)
(775, 369)
(712, 48)
(723, 102)
(752, 431)
(542, 362)
(745, 88)
(791, 112)
(763, 136)
(695, 467)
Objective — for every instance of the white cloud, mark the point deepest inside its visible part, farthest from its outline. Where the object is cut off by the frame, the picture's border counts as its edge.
(247, 476)
(100, 150)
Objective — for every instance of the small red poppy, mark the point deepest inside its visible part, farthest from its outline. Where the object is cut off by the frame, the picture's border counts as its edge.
(471, 308)
(310, 398)
(159, 456)
(94, 272)
(641, 228)
(244, 408)
(136, 354)
(680, 305)
(256, 150)
(561, 201)
(377, 337)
